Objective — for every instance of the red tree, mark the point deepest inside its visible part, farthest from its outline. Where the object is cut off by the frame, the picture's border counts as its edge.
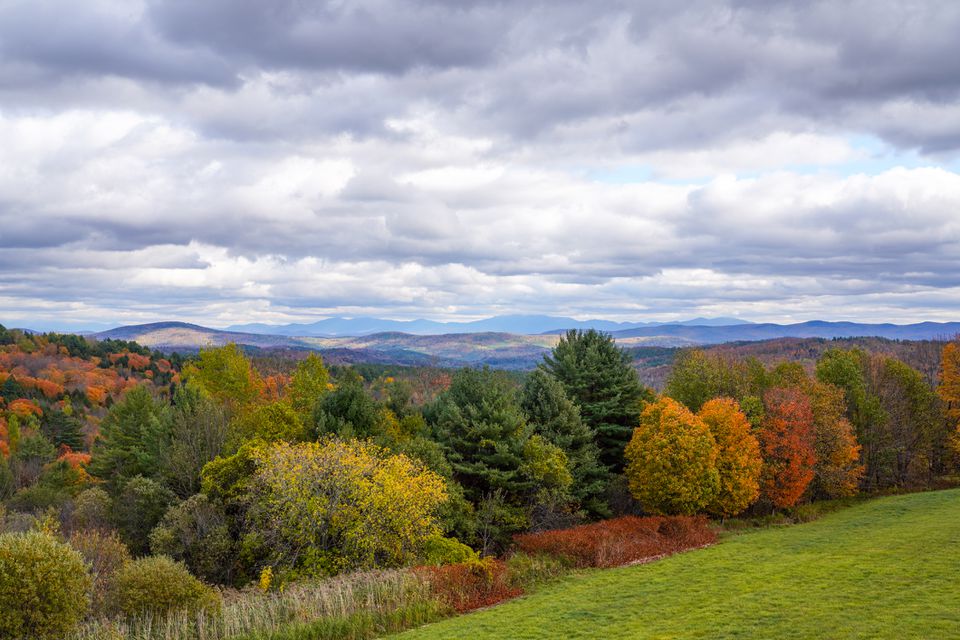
(786, 438)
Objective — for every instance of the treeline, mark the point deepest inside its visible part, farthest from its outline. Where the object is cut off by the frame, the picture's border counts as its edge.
(237, 475)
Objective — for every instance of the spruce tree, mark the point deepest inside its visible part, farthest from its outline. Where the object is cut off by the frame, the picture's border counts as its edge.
(597, 375)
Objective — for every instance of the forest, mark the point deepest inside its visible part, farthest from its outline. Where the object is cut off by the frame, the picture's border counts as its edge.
(150, 495)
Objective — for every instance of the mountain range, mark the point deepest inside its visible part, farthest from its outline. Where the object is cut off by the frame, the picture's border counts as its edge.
(513, 350)
(518, 324)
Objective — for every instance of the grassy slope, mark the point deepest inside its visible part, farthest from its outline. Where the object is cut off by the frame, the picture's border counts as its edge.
(883, 569)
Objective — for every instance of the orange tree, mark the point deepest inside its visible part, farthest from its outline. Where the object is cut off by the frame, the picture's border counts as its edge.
(738, 456)
(786, 438)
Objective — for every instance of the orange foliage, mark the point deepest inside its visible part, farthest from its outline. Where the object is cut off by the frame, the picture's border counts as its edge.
(470, 585)
(611, 543)
(787, 437)
(738, 456)
(275, 387)
(75, 459)
(24, 408)
(96, 395)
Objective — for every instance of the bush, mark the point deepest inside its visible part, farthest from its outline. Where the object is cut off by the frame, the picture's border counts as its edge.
(105, 554)
(195, 532)
(612, 543)
(470, 585)
(44, 586)
(439, 550)
(527, 570)
(158, 585)
(138, 509)
(91, 509)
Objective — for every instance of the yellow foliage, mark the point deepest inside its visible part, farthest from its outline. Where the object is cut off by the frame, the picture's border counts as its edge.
(738, 456)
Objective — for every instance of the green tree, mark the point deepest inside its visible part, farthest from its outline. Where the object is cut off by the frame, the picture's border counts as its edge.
(132, 439)
(598, 376)
(266, 423)
(554, 416)
(307, 385)
(138, 509)
(227, 375)
(196, 533)
(348, 410)
(62, 429)
(198, 432)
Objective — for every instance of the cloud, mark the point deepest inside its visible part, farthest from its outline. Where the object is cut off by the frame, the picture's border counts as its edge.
(228, 162)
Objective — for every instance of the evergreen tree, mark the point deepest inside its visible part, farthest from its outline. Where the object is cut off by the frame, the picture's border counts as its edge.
(554, 416)
(132, 437)
(598, 376)
(481, 427)
(62, 429)
(348, 410)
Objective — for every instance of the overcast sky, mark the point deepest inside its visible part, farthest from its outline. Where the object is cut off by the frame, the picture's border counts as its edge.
(227, 161)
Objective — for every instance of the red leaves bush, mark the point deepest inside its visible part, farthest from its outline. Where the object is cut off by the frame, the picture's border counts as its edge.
(470, 585)
(620, 541)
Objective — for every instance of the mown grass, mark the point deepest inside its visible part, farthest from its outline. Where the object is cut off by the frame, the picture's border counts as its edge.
(882, 569)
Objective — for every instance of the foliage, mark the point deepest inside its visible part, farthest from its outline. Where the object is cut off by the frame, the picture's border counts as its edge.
(307, 385)
(348, 411)
(598, 377)
(787, 444)
(438, 550)
(132, 438)
(470, 585)
(196, 533)
(837, 471)
(698, 376)
(267, 423)
(198, 432)
(104, 554)
(482, 429)
(62, 429)
(671, 460)
(158, 585)
(91, 510)
(44, 586)
(611, 543)
(554, 416)
(738, 456)
(226, 375)
(331, 506)
(138, 508)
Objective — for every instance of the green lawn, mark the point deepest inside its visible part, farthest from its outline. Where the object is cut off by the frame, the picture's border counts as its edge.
(888, 568)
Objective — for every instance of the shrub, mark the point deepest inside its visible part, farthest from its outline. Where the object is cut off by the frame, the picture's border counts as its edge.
(44, 586)
(138, 509)
(105, 554)
(91, 509)
(611, 543)
(528, 570)
(195, 532)
(159, 585)
(439, 550)
(470, 585)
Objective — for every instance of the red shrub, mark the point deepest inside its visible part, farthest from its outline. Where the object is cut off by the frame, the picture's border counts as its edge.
(620, 541)
(470, 585)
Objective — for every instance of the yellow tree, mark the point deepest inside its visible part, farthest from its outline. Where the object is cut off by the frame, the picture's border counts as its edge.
(738, 456)
(226, 375)
(949, 391)
(671, 460)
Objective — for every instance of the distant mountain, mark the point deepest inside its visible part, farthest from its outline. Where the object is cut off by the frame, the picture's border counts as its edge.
(516, 324)
(812, 329)
(504, 349)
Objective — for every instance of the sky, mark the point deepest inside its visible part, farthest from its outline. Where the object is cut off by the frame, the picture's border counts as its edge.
(233, 161)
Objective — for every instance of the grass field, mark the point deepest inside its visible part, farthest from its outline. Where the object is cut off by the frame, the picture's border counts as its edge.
(888, 568)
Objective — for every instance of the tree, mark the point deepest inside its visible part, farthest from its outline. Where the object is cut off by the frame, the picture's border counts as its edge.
(554, 416)
(698, 376)
(598, 376)
(198, 432)
(348, 411)
(196, 533)
(671, 460)
(132, 439)
(786, 439)
(138, 509)
(837, 472)
(62, 429)
(307, 385)
(481, 427)
(227, 375)
(738, 456)
(336, 505)
(267, 423)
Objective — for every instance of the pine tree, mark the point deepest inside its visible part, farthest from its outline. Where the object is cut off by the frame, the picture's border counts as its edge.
(554, 416)
(598, 376)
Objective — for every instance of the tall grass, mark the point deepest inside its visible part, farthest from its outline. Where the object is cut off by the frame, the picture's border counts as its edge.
(347, 604)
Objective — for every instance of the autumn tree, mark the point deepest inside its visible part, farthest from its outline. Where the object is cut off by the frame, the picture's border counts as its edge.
(786, 440)
(337, 505)
(698, 376)
(555, 417)
(307, 385)
(671, 460)
(227, 375)
(267, 423)
(599, 378)
(837, 471)
(949, 391)
(738, 456)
